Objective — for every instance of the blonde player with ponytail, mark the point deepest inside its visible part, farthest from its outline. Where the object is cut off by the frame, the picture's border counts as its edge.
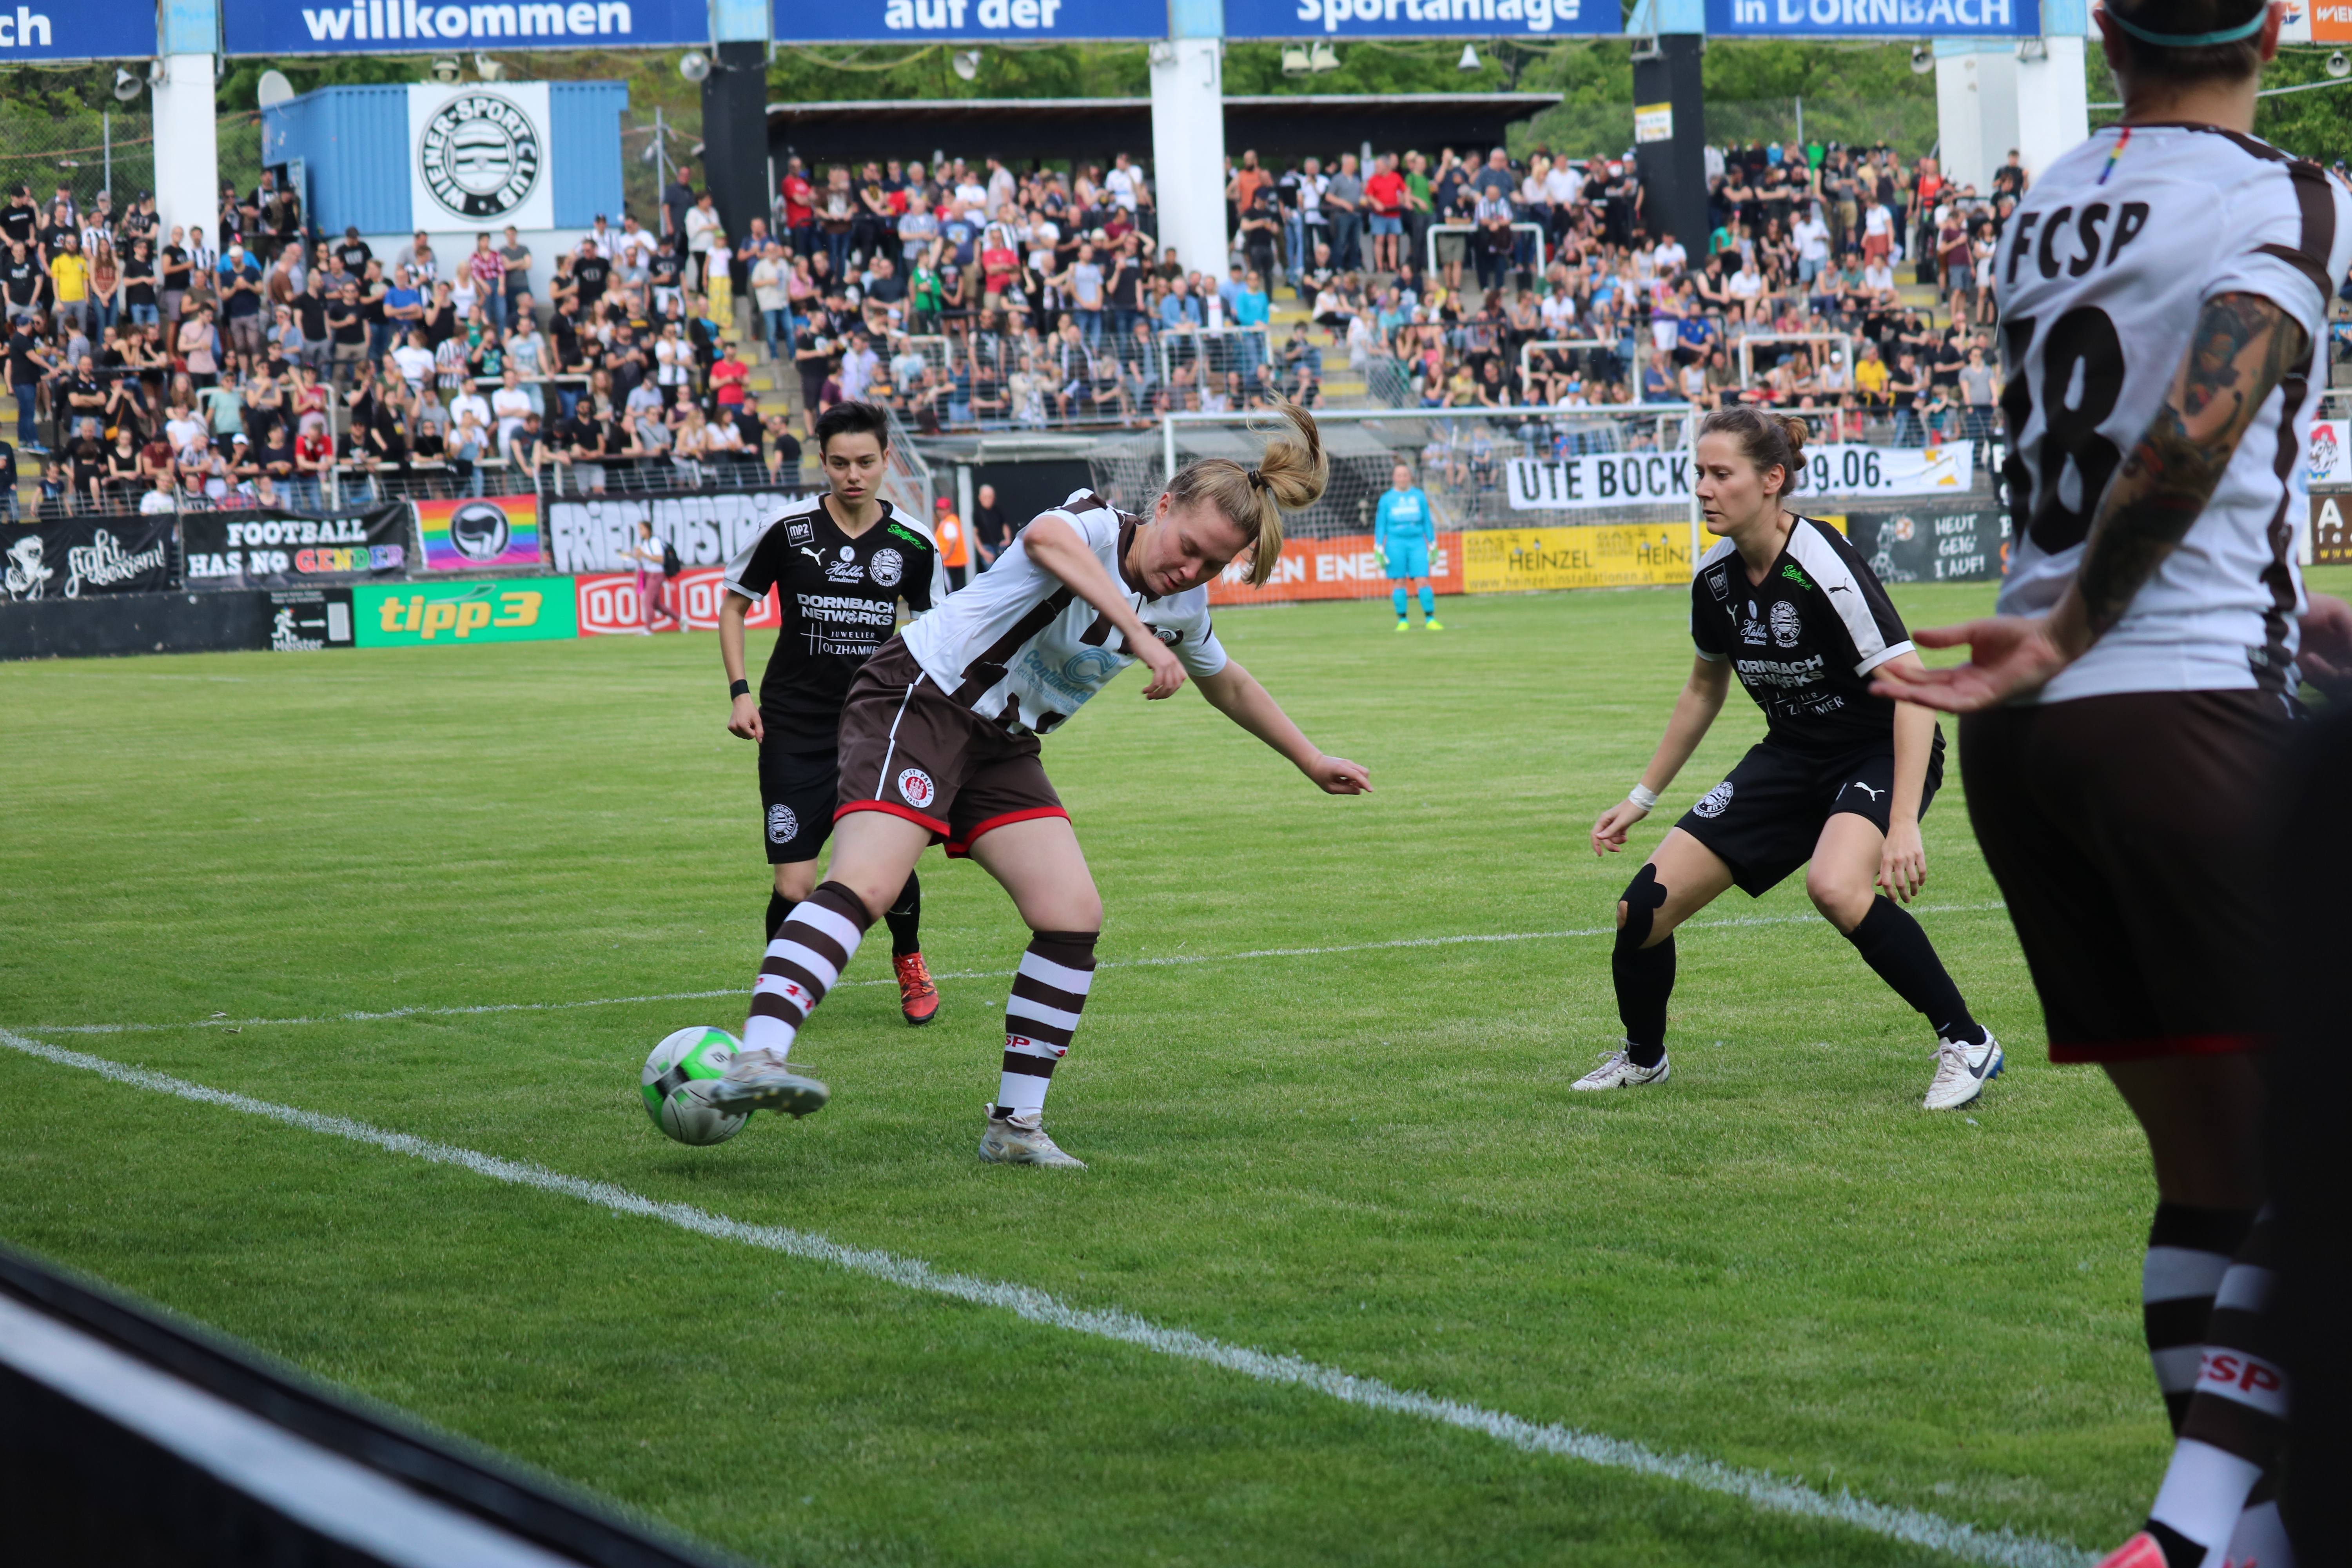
(939, 746)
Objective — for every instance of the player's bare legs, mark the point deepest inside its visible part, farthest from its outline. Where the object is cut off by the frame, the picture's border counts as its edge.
(918, 998)
(1039, 863)
(2202, 1116)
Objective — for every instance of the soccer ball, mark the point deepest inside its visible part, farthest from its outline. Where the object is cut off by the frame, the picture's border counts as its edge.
(676, 1080)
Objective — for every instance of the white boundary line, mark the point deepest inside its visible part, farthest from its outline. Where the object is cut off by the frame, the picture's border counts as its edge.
(1760, 1488)
(373, 1017)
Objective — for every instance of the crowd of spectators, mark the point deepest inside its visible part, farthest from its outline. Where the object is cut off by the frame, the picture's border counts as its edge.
(264, 366)
(969, 296)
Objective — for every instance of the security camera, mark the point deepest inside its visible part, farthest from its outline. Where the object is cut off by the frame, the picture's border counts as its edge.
(694, 65)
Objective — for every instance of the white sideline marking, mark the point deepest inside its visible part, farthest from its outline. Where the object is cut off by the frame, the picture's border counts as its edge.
(745, 991)
(1760, 1488)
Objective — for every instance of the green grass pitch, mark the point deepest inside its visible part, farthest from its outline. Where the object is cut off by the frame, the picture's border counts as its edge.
(1367, 1157)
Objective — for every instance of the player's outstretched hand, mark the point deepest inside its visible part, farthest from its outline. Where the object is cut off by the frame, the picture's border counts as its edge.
(1167, 672)
(2327, 651)
(743, 720)
(2008, 655)
(1338, 776)
(1609, 831)
(1903, 863)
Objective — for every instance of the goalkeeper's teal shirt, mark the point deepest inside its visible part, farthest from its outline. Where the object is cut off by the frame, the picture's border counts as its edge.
(1405, 519)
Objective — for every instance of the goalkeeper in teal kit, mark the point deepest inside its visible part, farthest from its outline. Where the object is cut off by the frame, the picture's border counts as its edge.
(1404, 532)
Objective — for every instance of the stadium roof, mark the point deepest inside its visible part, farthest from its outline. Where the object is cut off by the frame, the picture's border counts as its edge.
(1276, 125)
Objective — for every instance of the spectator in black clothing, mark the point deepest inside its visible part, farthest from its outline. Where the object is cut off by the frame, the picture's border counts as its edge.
(8, 481)
(990, 533)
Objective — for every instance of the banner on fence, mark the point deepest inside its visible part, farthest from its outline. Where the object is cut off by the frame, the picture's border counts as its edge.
(520, 609)
(710, 528)
(2327, 459)
(479, 533)
(1598, 479)
(609, 602)
(1339, 568)
(1601, 555)
(274, 548)
(1946, 543)
(103, 30)
(2331, 539)
(1012, 21)
(1418, 18)
(305, 620)
(1623, 479)
(75, 557)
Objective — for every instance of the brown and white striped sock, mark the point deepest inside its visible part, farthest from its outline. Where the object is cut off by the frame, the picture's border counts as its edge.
(2188, 1250)
(1049, 993)
(810, 951)
(2234, 1428)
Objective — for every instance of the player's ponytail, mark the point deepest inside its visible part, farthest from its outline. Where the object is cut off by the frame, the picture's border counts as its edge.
(1290, 476)
(1766, 440)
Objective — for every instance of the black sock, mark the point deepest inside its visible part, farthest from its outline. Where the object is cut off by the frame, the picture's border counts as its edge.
(1644, 975)
(1645, 978)
(905, 919)
(779, 910)
(1893, 945)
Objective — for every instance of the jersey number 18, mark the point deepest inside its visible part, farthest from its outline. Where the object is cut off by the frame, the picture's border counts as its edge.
(2082, 344)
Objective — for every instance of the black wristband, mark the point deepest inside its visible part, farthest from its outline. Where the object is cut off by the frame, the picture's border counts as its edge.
(740, 688)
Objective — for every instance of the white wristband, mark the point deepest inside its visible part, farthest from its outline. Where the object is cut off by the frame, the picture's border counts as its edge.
(1643, 796)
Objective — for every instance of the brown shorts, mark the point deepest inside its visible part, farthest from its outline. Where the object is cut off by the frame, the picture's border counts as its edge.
(2128, 833)
(909, 749)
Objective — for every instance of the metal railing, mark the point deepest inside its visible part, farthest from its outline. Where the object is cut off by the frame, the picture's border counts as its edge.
(1543, 244)
(1206, 357)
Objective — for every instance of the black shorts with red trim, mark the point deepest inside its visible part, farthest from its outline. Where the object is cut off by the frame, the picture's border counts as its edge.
(2129, 835)
(909, 749)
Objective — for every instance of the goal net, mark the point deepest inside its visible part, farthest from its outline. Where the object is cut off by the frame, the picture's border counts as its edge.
(1524, 497)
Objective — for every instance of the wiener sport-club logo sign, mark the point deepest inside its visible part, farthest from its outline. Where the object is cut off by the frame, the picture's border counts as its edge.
(480, 155)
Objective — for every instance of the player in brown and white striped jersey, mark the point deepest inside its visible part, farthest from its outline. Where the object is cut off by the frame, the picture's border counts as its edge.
(939, 745)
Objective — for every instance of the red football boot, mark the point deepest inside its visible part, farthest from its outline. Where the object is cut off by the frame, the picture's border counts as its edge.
(919, 999)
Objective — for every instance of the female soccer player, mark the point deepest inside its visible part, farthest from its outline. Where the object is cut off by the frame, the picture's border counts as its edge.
(2164, 290)
(839, 566)
(939, 743)
(1839, 779)
(1404, 532)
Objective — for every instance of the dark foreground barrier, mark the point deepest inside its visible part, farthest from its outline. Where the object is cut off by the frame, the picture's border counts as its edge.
(134, 622)
(127, 1437)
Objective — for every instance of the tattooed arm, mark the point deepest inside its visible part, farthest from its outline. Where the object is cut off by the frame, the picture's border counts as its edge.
(2244, 346)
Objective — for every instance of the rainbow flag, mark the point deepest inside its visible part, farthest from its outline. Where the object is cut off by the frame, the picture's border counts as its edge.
(472, 533)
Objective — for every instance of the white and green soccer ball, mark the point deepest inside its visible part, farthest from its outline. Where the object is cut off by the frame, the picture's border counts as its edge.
(676, 1082)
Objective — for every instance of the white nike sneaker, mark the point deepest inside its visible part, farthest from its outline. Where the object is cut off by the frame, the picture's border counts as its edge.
(1618, 1070)
(762, 1080)
(1022, 1141)
(1962, 1071)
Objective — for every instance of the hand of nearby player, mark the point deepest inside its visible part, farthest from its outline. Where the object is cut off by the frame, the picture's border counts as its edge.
(1167, 673)
(1338, 776)
(1903, 863)
(1609, 831)
(2009, 655)
(2326, 653)
(743, 719)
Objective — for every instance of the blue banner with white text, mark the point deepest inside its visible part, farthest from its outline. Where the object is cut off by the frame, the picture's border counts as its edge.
(85, 30)
(1004, 21)
(1873, 19)
(399, 26)
(1417, 18)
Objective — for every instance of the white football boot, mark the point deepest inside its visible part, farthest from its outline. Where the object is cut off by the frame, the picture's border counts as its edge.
(1618, 1070)
(762, 1080)
(1961, 1072)
(1022, 1141)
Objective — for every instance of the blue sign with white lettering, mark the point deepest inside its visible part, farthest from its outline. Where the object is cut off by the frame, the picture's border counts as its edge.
(1006, 21)
(419, 27)
(83, 30)
(1418, 18)
(1873, 19)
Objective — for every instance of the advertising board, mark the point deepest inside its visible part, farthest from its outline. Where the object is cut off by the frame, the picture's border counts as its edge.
(513, 609)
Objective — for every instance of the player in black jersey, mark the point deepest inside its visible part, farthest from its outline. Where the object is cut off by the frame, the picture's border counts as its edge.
(839, 566)
(1839, 779)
